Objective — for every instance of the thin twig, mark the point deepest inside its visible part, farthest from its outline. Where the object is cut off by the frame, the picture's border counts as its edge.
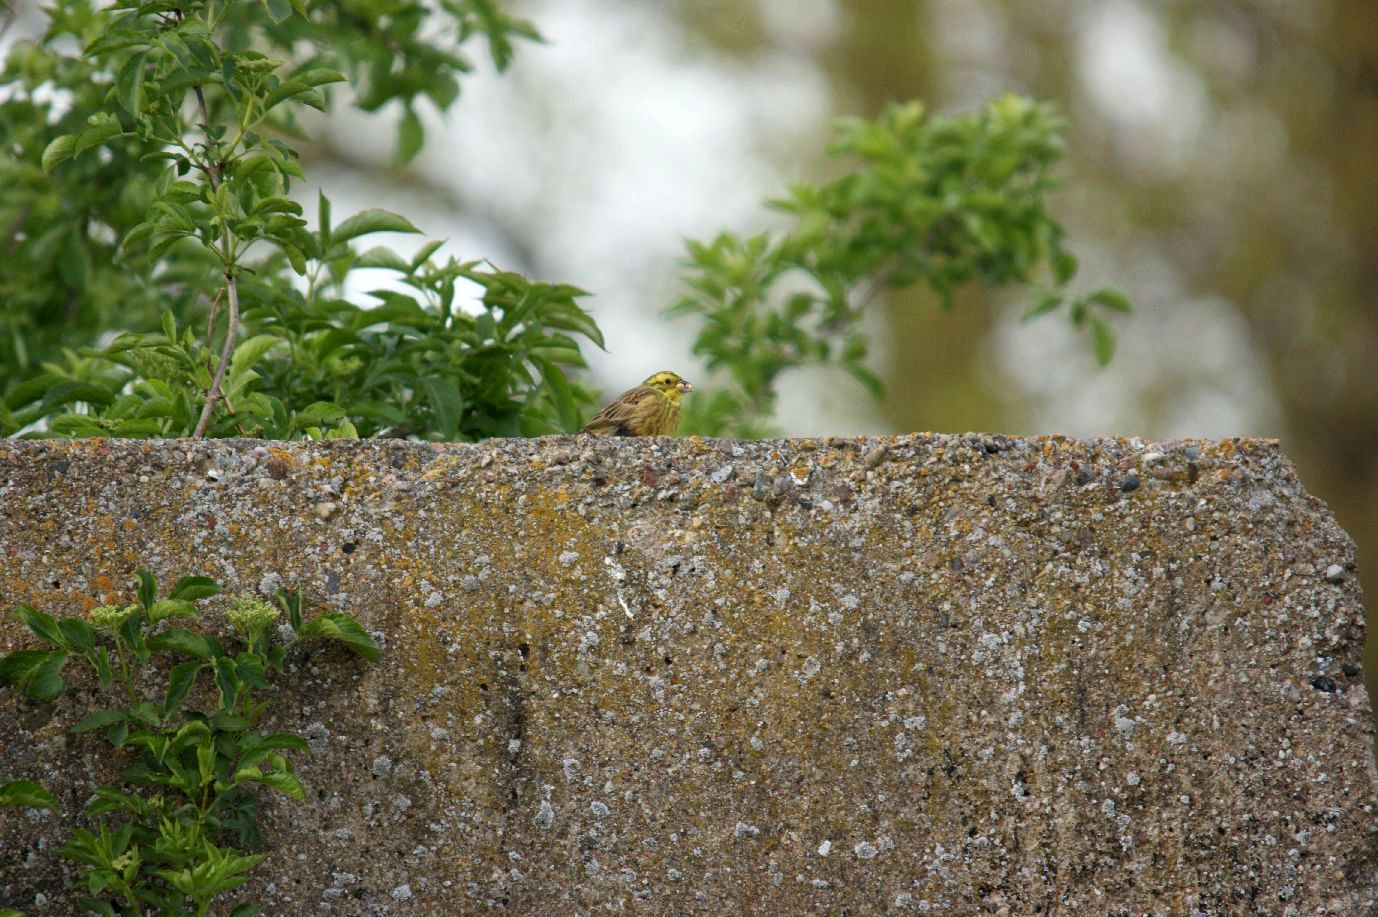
(225, 353)
(215, 313)
(213, 172)
(878, 283)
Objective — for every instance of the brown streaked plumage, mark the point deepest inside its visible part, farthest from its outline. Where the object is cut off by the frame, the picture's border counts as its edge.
(650, 409)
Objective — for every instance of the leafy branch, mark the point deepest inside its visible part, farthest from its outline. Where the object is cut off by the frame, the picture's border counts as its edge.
(931, 201)
(195, 120)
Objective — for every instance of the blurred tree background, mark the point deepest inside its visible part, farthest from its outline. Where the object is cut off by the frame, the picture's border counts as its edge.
(1224, 172)
(1223, 166)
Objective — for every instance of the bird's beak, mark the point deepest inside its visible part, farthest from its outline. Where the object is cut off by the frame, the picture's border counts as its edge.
(685, 386)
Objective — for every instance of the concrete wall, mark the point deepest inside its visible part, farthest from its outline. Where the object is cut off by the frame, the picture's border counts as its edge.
(953, 673)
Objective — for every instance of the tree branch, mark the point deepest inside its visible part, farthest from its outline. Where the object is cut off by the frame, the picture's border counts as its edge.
(227, 351)
(213, 173)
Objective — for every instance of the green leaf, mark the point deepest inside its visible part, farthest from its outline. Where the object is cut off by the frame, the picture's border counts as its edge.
(146, 713)
(100, 661)
(291, 603)
(129, 83)
(318, 413)
(116, 38)
(411, 136)
(383, 258)
(323, 220)
(148, 589)
(45, 683)
(282, 741)
(182, 641)
(171, 608)
(295, 257)
(99, 720)
(108, 799)
(285, 90)
(227, 680)
(71, 392)
(59, 150)
(447, 402)
(561, 393)
(40, 624)
(1064, 266)
(1111, 299)
(18, 667)
(117, 733)
(1103, 340)
(248, 352)
(224, 721)
(250, 669)
(869, 380)
(369, 221)
(343, 430)
(25, 794)
(131, 633)
(319, 76)
(344, 629)
(77, 633)
(278, 780)
(278, 10)
(100, 129)
(423, 254)
(180, 681)
(1045, 303)
(191, 588)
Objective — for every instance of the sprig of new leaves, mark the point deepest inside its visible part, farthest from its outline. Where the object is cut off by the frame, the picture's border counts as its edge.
(183, 827)
(930, 200)
(185, 107)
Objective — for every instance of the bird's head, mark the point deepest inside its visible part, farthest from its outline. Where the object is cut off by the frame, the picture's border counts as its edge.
(668, 384)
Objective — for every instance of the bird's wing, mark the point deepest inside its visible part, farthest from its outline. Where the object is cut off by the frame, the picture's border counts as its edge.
(613, 420)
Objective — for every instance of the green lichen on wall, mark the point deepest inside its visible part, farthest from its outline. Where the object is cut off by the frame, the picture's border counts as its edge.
(952, 673)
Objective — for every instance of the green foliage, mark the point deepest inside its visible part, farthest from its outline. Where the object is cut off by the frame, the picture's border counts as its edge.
(322, 366)
(160, 201)
(161, 280)
(933, 201)
(182, 830)
(25, 794)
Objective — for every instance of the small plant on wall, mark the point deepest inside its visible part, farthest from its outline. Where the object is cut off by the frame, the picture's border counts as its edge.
(181, 828)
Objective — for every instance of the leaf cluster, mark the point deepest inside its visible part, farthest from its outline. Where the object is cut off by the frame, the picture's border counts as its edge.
(182, 828)
(203, 255)
(423, 361)
(929, 200)
(103, 111)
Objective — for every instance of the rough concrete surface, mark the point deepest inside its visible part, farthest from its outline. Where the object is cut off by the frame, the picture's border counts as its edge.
(950, 674)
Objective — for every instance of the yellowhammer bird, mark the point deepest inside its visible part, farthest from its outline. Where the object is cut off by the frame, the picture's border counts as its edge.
(650, 409)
